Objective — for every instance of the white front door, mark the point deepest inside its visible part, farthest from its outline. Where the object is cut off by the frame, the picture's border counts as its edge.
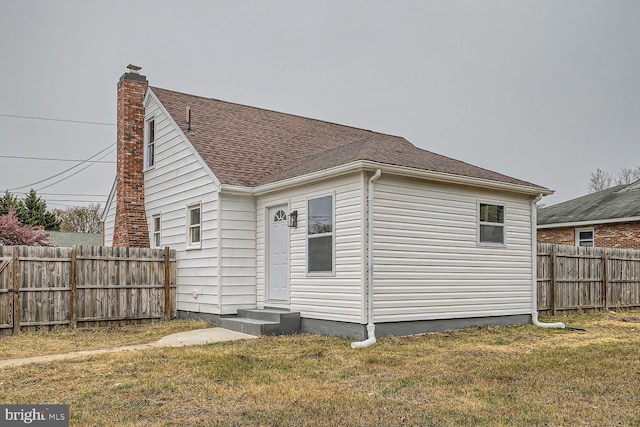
(278, 280)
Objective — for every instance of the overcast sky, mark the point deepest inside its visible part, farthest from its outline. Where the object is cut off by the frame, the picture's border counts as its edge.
(544, 91)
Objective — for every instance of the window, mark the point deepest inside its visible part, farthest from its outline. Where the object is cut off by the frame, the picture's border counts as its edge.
(320, 235)
(280, 216)
(156, 231)
(491, 224)
(584, 237)
(194, 219)
(151, 143)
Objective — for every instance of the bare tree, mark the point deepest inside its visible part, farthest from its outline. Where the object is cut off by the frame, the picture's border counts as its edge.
(600, 180)
(80, 219)
(628, 175)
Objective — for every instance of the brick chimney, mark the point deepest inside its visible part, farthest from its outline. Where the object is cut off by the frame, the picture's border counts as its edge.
(130, 227)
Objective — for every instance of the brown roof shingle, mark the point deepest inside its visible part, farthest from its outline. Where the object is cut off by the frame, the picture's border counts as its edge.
(249, 146)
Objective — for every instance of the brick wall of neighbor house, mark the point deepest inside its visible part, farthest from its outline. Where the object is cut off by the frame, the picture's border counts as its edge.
(561, 236)
(130, 227)
(623, 235)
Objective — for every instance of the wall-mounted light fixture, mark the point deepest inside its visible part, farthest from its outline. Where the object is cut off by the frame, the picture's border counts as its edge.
(293, 219)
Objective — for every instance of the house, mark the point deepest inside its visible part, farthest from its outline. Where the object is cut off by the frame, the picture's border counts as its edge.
(609, 218)
(69, 239)
(345, 226)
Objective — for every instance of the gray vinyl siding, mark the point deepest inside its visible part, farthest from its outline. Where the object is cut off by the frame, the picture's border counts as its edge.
(428, 264)
(238, 253)
(178, 180)
(338, 296)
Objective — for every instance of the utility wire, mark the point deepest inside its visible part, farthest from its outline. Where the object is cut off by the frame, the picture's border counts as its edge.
(73, 194)
(75, 173)
(65, 171)
(53, 159)
(56, 120)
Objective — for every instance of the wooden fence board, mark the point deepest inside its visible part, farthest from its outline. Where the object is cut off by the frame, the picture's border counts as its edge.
(573, 278)
(88, 285)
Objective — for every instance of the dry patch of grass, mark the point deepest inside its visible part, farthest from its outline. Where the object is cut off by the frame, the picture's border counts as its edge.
(485, 376)
(65, 340)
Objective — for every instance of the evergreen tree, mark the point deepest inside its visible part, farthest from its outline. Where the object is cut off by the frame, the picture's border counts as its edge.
(9, 201)
(35, 213)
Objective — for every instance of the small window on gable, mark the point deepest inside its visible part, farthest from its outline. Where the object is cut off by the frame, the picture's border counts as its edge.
(151, 143)
(585, 237)
(491, 225)
(194, 229)
(156, 231)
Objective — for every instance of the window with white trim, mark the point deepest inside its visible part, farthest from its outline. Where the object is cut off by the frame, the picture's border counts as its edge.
(320, 235)
(150, 152)
(491, 225)
(195, 226)
(155, 220)
(585, 237)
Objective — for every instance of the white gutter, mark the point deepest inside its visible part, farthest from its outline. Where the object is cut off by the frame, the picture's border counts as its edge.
(587, 223)
(371, 327)
(534, 260)
(388, 169)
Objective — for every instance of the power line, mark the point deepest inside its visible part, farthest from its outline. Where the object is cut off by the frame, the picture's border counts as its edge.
(65, 171)
(56, 120)
(73, 200)
(73, 194)
(75, 173)
(53, 159)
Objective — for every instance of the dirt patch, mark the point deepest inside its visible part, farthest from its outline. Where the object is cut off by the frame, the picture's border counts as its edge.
(630, 319)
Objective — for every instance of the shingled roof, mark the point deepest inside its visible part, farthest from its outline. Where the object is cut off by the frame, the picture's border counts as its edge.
(248, 146)
(622, 201)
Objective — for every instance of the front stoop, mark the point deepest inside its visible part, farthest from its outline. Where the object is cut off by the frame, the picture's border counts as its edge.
(267, 321)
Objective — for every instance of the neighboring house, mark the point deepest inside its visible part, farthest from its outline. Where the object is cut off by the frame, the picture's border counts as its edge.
(608, 218)
(68, 239)
(345, 226)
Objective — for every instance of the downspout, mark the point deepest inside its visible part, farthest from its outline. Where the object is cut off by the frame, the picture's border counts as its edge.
(534, 260)
(371, 327)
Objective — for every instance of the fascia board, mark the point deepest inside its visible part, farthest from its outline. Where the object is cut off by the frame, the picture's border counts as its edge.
(588, 223)
(107, 205)
(388, 169)
(462, 180)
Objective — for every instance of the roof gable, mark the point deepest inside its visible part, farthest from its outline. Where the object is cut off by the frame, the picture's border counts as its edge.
(622, 201)
(248, 146)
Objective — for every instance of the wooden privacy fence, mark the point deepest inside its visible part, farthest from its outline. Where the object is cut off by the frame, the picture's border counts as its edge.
(88, 285)
(572, 278)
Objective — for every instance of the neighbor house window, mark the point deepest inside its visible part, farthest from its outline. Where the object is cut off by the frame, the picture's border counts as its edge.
(194, 218)
(491, 224)
(156, 231)
(151, 143)
(584, 237)
(320, 235)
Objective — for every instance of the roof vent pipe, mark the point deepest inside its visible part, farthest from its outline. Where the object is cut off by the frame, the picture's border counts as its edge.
(371, 327)
(534, 260)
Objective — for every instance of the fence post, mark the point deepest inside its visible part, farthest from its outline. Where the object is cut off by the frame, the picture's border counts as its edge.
(554, 270)
(605, 279)
(167, 283)
(16, 290)
(74, 288)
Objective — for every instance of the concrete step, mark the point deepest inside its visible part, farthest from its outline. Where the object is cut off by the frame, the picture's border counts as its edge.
(262, 322)
(247, 326)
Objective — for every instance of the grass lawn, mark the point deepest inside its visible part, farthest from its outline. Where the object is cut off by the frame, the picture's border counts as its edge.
(485, 376)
